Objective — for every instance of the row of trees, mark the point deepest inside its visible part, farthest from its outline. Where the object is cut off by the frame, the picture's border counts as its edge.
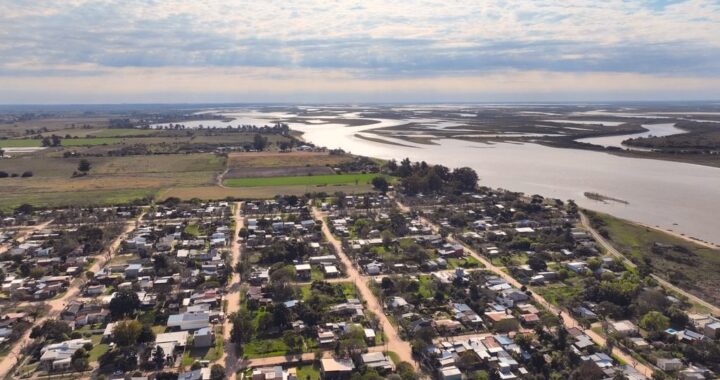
(419, 177)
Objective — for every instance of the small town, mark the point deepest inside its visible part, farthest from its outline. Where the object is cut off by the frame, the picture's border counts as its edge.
(404, 282)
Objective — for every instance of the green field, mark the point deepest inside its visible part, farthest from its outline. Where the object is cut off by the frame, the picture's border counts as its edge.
(33, 143)
(331, 179)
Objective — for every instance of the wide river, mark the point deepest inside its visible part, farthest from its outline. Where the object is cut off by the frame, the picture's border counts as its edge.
(681, 197)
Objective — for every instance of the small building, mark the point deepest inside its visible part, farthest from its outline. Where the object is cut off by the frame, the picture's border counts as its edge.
(673, 364)
(333, 368)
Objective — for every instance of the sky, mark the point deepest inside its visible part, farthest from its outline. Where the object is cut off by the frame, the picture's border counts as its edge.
(131, 51)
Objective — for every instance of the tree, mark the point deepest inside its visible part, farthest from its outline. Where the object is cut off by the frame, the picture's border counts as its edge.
(79, 360)
(52, 329)
(243, 328)
(159, 357)
(381, 184)
(259, 142)
(294, 341)
(126, 333)
(655, 321)
(217, 372)
(465, 178)
(536, 263)
(147, 334)
(124, 303)
(84, 166)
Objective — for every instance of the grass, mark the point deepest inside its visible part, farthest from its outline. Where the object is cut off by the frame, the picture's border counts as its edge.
(308, 372)
(277, 159)
(264, 348)
(193, 230)
(467, 262)
(693, 267)
(112, 180)
(561, 292)
(31, 143)
(331, 179)
(98, 348)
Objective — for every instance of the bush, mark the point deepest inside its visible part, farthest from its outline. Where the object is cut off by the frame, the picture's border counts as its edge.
(4, 174)
(27, 174)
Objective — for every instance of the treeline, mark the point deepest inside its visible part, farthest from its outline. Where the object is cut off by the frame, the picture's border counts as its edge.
(419, 177)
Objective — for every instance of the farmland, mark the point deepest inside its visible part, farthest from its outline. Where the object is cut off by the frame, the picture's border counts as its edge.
(309, 180)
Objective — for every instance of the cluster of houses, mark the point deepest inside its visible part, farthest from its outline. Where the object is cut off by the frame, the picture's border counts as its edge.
(192, 311)
(37, 252)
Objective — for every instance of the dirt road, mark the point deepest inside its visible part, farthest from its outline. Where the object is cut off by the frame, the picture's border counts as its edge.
(56, 305)
(394, 342)
(229, 358)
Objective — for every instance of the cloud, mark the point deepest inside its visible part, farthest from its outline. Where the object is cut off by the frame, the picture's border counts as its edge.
(377, 41)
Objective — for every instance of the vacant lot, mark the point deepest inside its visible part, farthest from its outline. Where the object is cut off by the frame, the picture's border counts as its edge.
(290, 159)
(310, 180)
(112, 180)
(690, 266)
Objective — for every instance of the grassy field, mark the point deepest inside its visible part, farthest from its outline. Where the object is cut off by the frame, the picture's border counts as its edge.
(277, 159)
(690, 266)
(314, 180)
(31, 143)
(112, 180)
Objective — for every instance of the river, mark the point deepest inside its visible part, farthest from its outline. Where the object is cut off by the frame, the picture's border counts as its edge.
(677, 196)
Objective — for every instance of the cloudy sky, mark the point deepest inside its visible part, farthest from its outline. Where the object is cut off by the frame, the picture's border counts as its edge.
(77, 51)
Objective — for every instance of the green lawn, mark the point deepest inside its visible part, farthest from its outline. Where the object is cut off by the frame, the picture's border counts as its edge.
(98, 348)
(331, 179)
(308, 372)
(263, 348)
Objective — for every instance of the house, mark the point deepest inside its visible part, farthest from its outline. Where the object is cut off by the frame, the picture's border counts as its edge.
(303, 271)
(204, 338)
(170, 341)
(397, 303)
(673, 364)
(198, 374)
(59, 355)
(333, 368)
(269, 373)
(450, 373)
(377, 361)
(712, 330)
(623, 328)
(189, 321)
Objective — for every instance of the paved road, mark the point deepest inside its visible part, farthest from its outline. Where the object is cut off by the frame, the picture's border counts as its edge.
(56, 305)
(394, 342)
(567, 320)
(229, 357)
(585, 221)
